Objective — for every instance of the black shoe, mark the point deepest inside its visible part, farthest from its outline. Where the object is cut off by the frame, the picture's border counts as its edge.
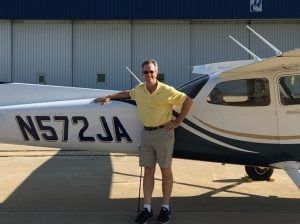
(144, 216)
(164, 216)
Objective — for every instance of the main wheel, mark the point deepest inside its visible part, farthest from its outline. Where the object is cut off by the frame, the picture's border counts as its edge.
(259, 173)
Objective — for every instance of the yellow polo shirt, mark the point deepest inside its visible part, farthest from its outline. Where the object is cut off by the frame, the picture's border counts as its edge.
(156, 108)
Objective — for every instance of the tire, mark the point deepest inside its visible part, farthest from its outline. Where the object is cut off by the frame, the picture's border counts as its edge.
(259, 173)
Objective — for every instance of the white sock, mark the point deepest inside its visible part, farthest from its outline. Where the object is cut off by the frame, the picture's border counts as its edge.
(148, 207)
(167, 206)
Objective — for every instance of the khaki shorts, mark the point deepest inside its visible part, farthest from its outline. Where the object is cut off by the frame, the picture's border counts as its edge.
(157, 146)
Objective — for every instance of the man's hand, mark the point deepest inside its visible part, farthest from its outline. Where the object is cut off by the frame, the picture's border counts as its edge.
(171, 125)
(106, 99)
(102, 100)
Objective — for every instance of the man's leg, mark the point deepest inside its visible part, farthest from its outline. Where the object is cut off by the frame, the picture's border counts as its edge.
(148, 184)
(167, 184)
(164, 152)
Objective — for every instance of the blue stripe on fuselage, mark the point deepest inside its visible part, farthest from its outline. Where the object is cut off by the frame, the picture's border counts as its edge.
(278, 152)
(190, 146)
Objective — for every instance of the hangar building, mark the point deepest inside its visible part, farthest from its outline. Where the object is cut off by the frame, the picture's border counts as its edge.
(88, 43)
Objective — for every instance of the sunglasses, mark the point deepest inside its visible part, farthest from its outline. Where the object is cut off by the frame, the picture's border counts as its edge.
(146, 72)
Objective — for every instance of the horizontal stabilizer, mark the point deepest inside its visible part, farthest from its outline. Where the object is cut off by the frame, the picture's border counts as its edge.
(19, 93)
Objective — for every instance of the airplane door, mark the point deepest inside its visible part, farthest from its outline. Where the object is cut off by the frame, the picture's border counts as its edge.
(288, 107)
(241, 110)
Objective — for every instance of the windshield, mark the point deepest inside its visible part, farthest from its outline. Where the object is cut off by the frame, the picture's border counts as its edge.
(193, 87)
(289, 88)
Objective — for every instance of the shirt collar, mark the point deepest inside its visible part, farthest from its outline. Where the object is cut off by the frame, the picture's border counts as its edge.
(156, 90)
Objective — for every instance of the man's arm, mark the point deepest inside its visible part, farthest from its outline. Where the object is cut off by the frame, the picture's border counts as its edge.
(186, 106)
(119, 95)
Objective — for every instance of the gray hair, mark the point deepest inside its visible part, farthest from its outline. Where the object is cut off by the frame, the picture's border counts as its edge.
(151, 61)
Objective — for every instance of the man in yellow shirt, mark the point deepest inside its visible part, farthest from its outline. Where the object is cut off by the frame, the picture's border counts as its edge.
(155, 101)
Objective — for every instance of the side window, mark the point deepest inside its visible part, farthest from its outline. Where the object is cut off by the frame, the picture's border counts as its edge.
(289, 89)
(243, 92)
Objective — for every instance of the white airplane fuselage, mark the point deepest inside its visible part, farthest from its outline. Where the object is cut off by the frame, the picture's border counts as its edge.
(258, 134)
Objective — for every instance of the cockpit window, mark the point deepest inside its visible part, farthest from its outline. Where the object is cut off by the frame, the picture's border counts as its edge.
(289, 89)
(243, 92)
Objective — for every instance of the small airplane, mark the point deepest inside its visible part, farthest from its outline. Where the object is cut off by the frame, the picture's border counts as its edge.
(244, 112)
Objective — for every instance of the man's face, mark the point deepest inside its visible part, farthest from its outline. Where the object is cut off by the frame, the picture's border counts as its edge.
(150, 74)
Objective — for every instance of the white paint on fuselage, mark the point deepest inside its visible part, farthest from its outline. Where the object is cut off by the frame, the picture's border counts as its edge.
(126, 113)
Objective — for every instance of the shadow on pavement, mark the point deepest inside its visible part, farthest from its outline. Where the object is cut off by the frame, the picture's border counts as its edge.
(76, 189)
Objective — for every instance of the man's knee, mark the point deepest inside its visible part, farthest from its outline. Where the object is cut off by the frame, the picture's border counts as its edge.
(149, 171)
(166, 172)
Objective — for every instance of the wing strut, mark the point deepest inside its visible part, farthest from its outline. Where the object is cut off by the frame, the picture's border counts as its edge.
(294, 174)
(292, 169)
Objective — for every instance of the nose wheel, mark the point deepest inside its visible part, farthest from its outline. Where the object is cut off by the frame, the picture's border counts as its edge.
(259, 173)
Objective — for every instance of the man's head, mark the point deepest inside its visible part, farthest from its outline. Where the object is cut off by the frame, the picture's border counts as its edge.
(150, 71)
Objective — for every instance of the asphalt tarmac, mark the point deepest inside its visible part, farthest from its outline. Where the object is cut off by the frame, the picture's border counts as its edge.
(53, 186)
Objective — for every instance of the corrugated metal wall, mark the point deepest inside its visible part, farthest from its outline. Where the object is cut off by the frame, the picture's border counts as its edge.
(5, 52)
(210, 43)
(42, 48)
(284, 36)
(72, 54)
(169, 44)
(102, 48)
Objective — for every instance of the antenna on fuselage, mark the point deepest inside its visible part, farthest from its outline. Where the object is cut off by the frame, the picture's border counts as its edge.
(255, 57)
(133, 75)
(277, 51)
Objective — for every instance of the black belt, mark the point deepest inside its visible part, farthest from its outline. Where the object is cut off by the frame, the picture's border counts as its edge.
(153, 128)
